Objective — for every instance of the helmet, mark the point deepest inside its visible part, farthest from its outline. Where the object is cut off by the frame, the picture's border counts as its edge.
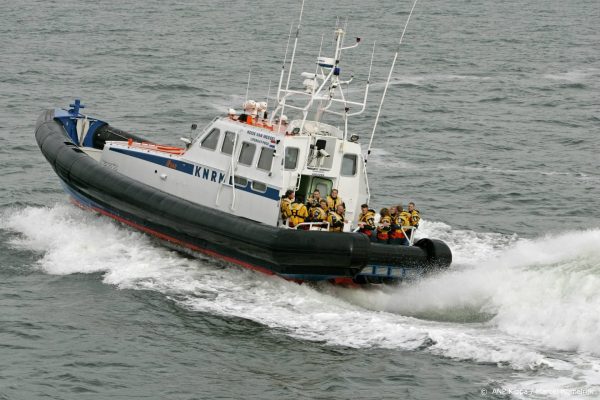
(284, 118)
(231, 111)
(250, 105)
(262, 106)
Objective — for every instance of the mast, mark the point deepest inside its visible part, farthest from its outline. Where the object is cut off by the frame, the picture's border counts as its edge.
(322, 88)
(287, 84)
(248, 85)
(284, 60)
(388, 81)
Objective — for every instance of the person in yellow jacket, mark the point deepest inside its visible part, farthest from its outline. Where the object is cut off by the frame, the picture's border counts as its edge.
(333, 200)
(400, 221)
(415, 217)
(384, 226)
(319, 214)
(336, 219)
(299, 213)
(394, 214)
(286, 204)
(314, 201)
(366, 221)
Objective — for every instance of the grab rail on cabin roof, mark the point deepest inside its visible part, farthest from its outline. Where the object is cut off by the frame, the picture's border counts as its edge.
(230, 173)
(205, 129)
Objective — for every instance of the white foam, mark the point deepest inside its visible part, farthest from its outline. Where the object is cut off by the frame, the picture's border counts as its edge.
(417, 80)
(524, 288)
(574, 76)
(382, 157)
(506, 300)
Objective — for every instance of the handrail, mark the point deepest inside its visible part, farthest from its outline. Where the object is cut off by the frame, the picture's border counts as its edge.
(205, 129)
(233, 166)
(230, 174)
(364, 163)
(324, 225)
(410, 237)
(156, 147)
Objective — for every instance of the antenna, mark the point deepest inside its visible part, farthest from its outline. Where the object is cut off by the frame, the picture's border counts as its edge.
(364, 104)
(388, 81)
(268, 94)
(287, 85)
(284, 60)
(248, 85)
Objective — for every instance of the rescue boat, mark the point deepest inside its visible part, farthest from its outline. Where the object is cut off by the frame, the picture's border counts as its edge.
(220, 194)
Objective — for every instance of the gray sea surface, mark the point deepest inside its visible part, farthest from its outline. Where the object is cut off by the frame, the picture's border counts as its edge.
(491, 125)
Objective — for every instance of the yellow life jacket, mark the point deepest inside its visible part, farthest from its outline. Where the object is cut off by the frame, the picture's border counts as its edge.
(405, 218)
(299, 214)
(318, 214)
(313, 202)
(368, 219)
(286, 205)
(336, 222)
(383, 220)
(398, 222)
(415, 217)
(333, 203)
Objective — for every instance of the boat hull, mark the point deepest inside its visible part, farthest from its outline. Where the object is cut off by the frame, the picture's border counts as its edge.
(292, 254)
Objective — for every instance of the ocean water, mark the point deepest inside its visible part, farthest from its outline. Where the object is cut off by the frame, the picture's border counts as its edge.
(491, 125)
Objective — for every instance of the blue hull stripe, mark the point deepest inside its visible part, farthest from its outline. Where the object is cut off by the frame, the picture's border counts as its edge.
(192, 169)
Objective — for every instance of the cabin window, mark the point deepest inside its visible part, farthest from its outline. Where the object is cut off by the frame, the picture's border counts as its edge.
(239, 181)
(247, 153)
(291, 157)
(227, 147)
(211, 140)
(259, 186)
(266, 158)
(349, 164)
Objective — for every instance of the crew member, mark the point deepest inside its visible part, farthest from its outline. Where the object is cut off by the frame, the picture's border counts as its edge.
(299, 213)
(393, 213)
(319, 214)
(400, 220)
(366, 221)
(415, 217)
(336, 219)
(313, 200)
(286, 204)
(384, 226)
(333, 200)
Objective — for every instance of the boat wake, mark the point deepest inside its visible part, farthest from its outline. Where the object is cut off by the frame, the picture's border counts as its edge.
(527, 304)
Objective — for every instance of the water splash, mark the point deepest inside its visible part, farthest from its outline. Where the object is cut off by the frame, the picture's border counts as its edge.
(506, 300)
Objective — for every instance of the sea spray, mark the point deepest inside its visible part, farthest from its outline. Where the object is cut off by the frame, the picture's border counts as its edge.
(74, 241)
(546, 290)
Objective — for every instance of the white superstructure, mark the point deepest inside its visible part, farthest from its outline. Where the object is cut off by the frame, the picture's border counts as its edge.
(243, 164)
